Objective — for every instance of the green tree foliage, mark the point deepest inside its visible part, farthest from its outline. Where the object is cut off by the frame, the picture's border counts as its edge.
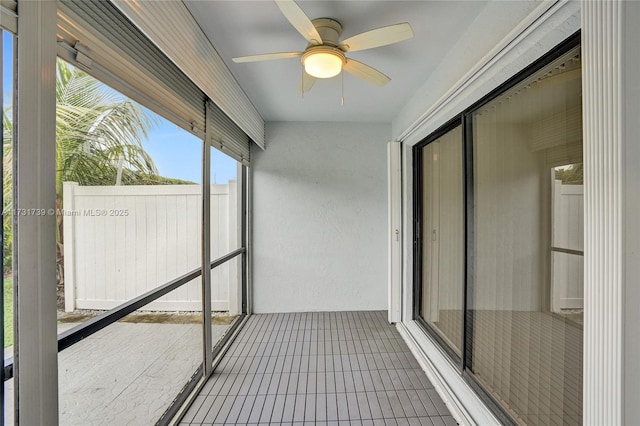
(7, 135)
(96, 130)
(572, 175)
(95, 127)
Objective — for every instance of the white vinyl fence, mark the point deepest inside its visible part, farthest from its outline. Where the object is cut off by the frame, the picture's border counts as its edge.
(122, 241)
(567, 278)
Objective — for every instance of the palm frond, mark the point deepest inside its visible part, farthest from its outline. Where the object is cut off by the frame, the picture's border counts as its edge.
(95, 127)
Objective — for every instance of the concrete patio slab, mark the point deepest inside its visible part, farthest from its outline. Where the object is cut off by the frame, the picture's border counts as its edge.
(127, 373)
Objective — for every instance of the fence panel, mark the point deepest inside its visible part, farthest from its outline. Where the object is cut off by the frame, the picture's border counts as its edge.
(122, 241)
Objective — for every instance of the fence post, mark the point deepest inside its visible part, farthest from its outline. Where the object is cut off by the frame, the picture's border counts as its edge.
(235, 287)
(69, 223)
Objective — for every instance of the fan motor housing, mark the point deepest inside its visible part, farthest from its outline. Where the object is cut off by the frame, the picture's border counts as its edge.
(329, 29)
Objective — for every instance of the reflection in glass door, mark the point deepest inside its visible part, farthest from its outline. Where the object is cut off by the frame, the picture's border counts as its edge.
(567, 241)
(443, 237)
(527, 244)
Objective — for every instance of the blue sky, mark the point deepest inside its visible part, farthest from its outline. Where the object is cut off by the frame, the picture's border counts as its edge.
(175, 152)
(7, 62)
(178, 154)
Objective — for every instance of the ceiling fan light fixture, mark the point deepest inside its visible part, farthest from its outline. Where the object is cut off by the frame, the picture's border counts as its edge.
(323, 62)
(324, 56)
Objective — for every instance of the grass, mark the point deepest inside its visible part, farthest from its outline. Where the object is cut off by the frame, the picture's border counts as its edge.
(8, 312)
(153, 318)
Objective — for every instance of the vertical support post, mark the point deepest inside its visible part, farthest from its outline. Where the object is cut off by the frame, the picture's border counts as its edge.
(603, 233)
(556, 190)
(36, 349)
(631, 196)
(247, 209)
(235, 238)
(408, 244)
(69, 228)
(206, 245)
(394, 179)
(611, 104)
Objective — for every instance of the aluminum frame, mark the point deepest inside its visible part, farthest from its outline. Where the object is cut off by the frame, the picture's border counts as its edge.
(36, 387)
(35, 344)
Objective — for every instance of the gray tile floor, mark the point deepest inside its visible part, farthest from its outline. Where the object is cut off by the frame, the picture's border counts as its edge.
(323, 368)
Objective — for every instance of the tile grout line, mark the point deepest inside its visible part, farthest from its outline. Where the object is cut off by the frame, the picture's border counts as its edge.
(280, 322)
(356, 344)
(268, 332)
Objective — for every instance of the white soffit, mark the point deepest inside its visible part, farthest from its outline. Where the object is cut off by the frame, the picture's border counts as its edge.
(170, 25)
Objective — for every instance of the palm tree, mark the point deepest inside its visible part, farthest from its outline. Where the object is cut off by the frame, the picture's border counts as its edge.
(96, 130)
(95, 127)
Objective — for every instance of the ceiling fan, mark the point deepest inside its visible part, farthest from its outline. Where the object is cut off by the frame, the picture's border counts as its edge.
(325, 56)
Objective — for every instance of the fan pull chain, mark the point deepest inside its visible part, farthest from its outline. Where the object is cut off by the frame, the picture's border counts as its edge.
(342, 95)
(302, 79)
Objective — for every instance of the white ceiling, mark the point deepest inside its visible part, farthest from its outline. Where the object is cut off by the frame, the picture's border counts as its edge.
(240, 28)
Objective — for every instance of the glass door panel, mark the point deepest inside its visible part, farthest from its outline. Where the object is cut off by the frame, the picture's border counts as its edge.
(443, 237)
(527, 290)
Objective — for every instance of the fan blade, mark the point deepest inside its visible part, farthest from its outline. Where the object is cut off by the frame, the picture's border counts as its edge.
(267, 57)
(299, 20)
(306, 83)
(365, 72)
(378, 37)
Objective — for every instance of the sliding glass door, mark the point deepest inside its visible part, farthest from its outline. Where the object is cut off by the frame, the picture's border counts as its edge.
(441, 298)
(501, 257)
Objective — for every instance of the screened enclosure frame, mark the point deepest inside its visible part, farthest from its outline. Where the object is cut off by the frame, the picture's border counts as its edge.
(463, 363)
(218, 132)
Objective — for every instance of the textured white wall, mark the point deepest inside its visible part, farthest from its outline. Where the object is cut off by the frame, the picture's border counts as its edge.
(320, 217)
